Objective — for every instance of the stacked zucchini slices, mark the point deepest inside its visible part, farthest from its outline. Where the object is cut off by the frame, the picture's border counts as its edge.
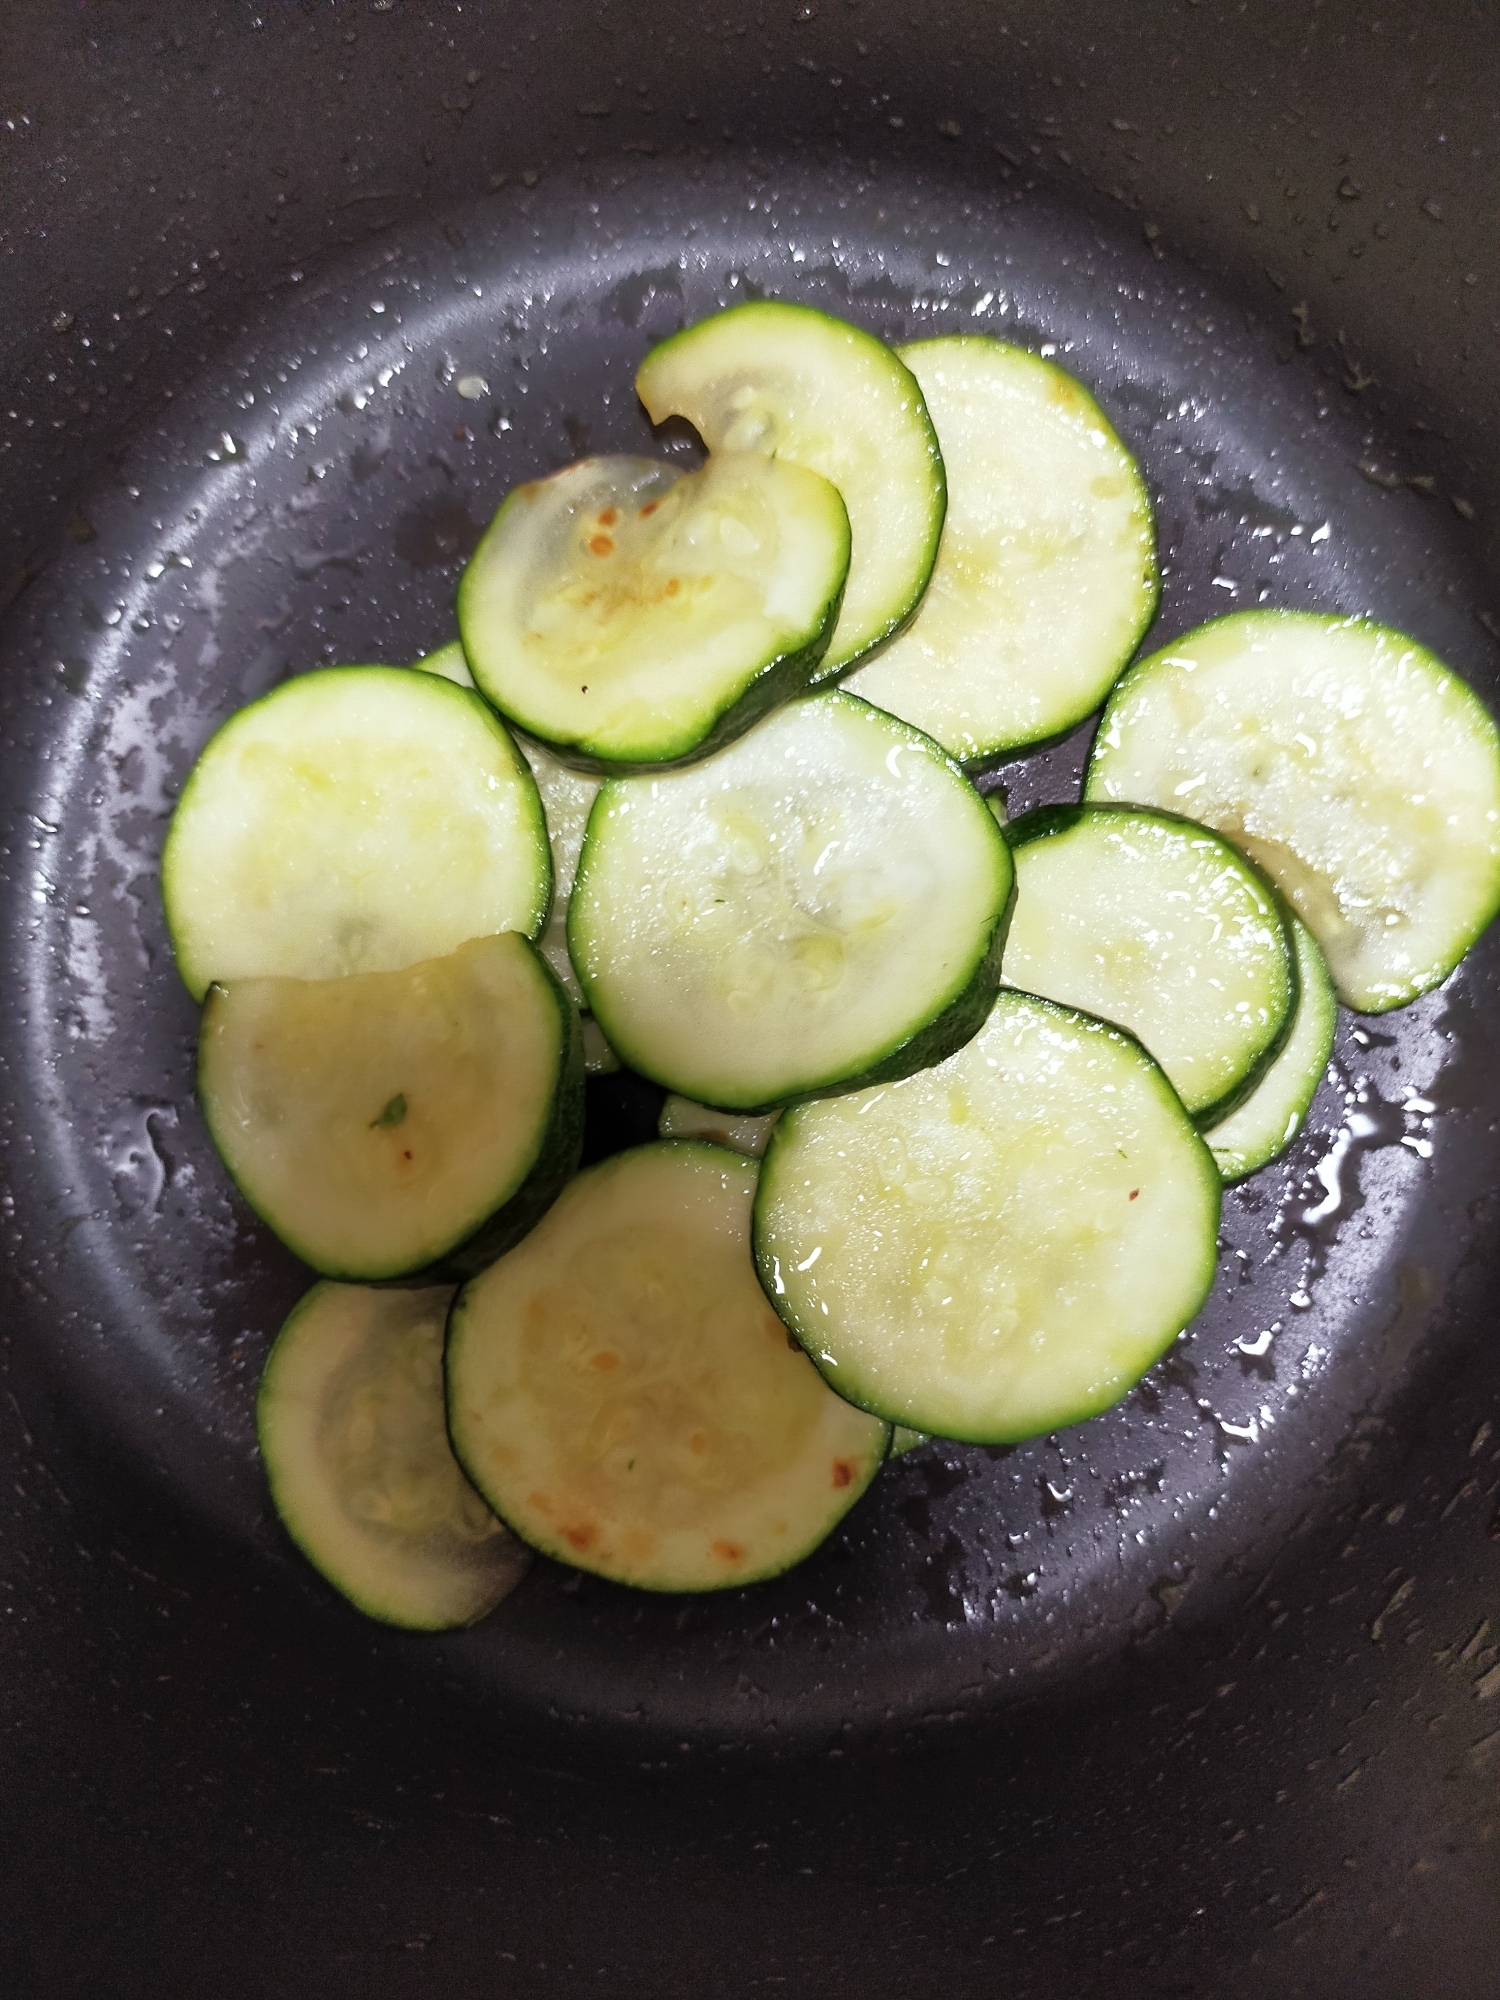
(950, 1103)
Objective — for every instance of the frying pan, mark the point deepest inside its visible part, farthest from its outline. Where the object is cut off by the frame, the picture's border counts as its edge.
(1201, 1698)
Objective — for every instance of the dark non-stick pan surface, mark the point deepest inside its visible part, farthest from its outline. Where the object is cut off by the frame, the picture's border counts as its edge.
(311, 500)
(308, 494)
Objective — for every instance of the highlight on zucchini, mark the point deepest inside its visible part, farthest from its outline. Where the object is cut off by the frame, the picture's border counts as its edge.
(627, 614)
(391, 1124)
(355, 819)
(1273, 1114)
(350, 1419)
(1158, 924)
(621, 1393)
(799, 385)
(1002, 1245)
(1360, 773)
(819, 906)
(1046, 573)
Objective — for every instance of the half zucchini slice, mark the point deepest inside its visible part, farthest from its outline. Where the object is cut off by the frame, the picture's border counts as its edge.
(623, 1396)
(628, 615)
(1157, 924)
(350, 1419)
(800, 385)
(1046, 574)
(398, 1124)
(1272, 1115)
(356, 819)
(1360, 773)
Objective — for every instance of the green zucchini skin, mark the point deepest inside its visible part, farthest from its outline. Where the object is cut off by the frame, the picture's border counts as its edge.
(1261, 1128)
(1055, 821)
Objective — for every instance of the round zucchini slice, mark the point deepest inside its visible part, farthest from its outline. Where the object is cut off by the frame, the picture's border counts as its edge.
(794, 382)
(628, 614)
(819, 906)
(356, 819)
(350, 1418)
(622, 1395)
(999, 1246)
(1046, 573)
(1159, 925)
(397, 1123)
(1272, 1115)
(1360, 772)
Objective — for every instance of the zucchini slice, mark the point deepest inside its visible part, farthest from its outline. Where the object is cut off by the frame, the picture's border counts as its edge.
(1271, 1116)
(802, 386)
(1157, 924)
(396, 1123)
(628, 614)
(998, 1246)
(819, 906)
(350, 1418)
(1360, 772)
(622, 1395)
(1046, 574)
(681, 1118)
(356, 819)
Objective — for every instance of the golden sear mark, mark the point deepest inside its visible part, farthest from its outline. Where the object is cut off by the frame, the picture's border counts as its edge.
(581, 1537)
(609, 516)
(601, 545)
(604, 1361)
(729, 1552)
(698, 1443)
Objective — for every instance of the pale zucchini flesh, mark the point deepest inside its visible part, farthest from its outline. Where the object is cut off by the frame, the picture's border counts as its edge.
(1156, 923)
(395, 1123)
(350, 1418)
(681, 1118)
(820, 904)
(449, 662)
(1001, 1245)
(621, 1393)
(1046, 573)
(794, 382)
(355, 819)
(1360, 773)
(629, 614)
(1272, 1115)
